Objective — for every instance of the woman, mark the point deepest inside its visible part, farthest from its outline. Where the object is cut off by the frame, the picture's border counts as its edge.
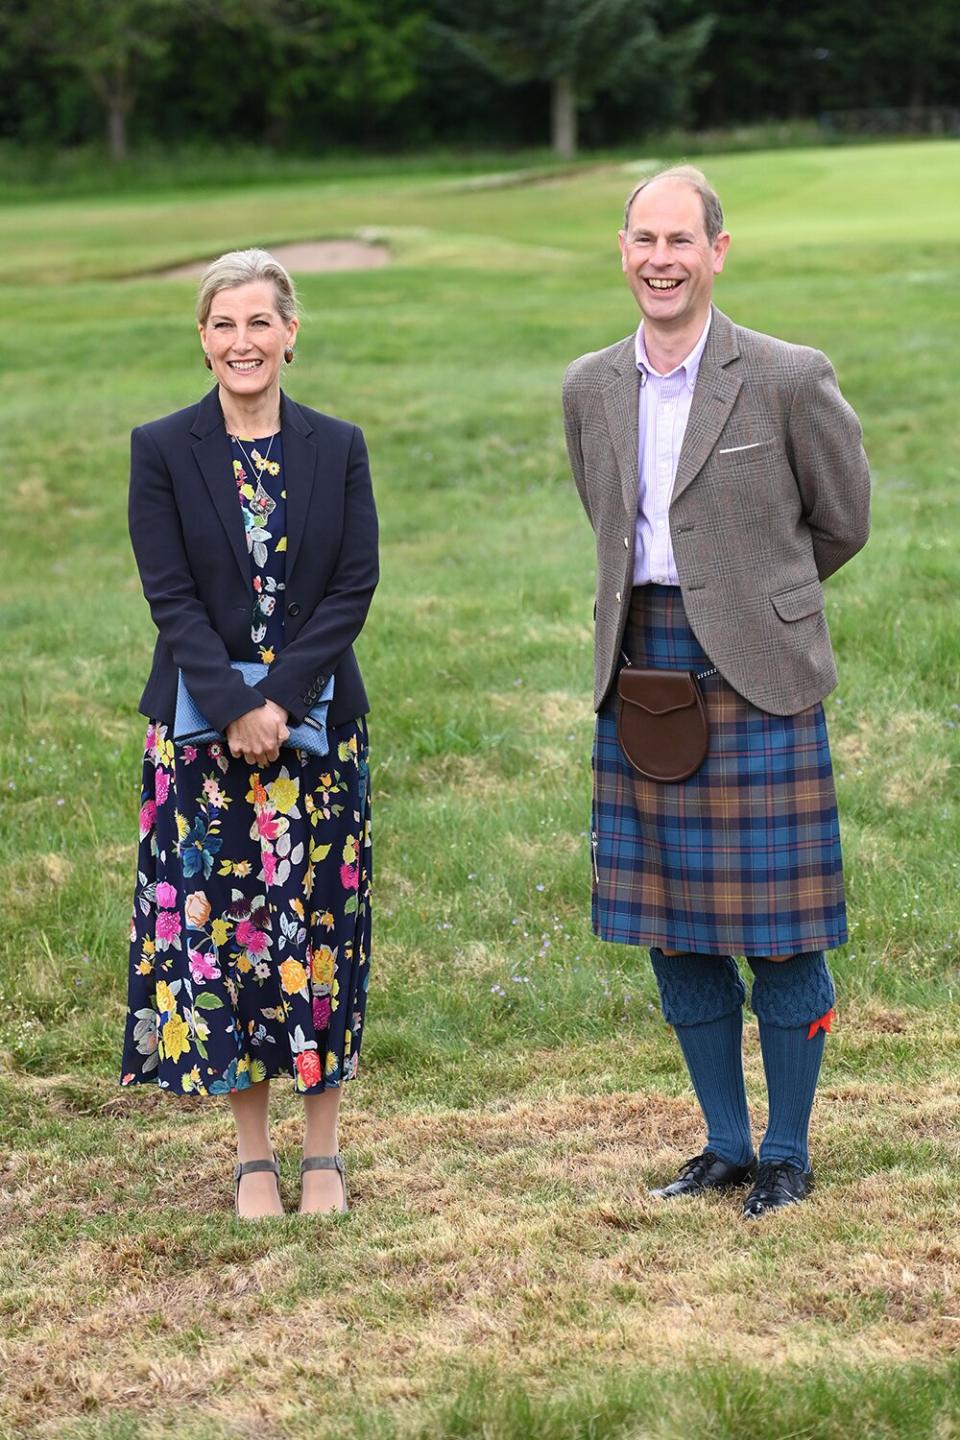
(255, 534)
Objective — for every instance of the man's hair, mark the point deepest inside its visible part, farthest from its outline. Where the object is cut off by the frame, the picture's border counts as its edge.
(243, 267)
(690, 175)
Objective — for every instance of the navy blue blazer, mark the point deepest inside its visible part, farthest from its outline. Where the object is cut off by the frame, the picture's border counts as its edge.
(186, 525)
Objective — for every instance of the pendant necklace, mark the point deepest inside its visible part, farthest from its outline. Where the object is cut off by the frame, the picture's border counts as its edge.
(262, 500)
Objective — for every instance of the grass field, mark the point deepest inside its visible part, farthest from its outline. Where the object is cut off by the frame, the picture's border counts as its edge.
(502, 1274)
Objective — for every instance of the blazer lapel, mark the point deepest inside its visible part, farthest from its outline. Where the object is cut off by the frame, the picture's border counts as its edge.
(300, 456)
(713, 398)
(621, 398)
(215, 460)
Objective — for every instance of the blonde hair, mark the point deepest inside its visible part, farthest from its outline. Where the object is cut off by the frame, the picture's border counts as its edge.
(245, 267)
(690, 175)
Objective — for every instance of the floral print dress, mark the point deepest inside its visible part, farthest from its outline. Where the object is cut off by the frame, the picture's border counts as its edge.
(250, 937)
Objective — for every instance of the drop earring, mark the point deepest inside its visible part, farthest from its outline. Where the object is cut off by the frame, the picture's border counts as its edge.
(288, 355)
(207, 361)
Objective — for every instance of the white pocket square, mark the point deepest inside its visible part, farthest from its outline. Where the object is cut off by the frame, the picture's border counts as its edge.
(732, 449)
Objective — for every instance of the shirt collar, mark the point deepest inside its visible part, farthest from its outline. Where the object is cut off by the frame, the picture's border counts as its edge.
(690, 366)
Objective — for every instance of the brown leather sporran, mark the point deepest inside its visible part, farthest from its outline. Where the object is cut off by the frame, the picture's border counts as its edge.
(662, 722)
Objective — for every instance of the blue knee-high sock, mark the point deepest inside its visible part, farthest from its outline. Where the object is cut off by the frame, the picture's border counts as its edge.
(791, 1063)
(792, 1000)
(714, 1057)
(702, 998)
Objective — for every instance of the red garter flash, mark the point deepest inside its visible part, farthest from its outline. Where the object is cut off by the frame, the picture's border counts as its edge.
(825, 1023)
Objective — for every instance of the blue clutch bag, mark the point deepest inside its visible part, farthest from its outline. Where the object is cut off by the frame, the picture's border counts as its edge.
(191, 727)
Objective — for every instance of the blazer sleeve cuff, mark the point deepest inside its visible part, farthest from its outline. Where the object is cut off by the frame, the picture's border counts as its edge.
(296, 706)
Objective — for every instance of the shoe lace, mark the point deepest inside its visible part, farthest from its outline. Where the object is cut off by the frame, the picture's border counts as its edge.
(696, 1166)
(768, 1176)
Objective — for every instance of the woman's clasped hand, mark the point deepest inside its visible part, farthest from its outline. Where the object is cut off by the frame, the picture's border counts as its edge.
(258, 735)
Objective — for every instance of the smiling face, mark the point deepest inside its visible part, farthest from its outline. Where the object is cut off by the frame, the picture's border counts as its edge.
(245, 337)
(667, 258)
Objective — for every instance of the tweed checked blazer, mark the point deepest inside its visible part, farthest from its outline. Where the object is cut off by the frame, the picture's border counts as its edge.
(772, 495)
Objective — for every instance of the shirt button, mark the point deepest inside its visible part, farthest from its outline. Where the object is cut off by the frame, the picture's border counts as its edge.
(293, 609)
(626, 542)
(618, 596)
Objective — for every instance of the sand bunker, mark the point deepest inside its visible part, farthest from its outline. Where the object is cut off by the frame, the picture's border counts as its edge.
(306, 257)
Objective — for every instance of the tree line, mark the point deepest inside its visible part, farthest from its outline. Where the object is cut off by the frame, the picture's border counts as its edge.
(320, 74)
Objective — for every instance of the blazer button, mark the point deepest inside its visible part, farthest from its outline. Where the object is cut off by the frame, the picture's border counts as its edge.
(293, 609)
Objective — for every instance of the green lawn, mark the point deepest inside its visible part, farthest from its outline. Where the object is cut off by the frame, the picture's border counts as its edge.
(502, 1274)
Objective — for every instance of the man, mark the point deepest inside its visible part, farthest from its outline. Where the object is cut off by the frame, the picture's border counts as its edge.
(724, 476)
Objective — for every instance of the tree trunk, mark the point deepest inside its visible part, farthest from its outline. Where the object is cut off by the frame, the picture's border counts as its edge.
(117, 130)
(563, 117)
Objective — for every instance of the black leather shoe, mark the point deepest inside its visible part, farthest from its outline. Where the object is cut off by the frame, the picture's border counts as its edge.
(777, 1184)
(706, 1172)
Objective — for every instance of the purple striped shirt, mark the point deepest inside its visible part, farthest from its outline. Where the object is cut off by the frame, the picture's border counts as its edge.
(664, 410)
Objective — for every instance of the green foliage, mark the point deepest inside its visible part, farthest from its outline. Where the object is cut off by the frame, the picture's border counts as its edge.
(783, 59)
(110, 46)
(608, 45)
(315, 74)
(594, 44)
(271, 56)
(358, 53)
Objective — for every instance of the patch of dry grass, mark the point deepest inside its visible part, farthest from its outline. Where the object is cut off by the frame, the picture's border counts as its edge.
(519, 1229)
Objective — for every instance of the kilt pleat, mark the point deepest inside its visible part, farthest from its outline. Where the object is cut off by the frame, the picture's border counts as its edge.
(741, 859)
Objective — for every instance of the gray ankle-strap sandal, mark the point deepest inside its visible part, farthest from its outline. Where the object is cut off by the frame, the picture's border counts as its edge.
(252, 1167)
(328, 1162)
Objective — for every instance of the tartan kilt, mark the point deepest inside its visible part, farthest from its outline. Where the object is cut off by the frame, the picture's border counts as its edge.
(741, 859)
